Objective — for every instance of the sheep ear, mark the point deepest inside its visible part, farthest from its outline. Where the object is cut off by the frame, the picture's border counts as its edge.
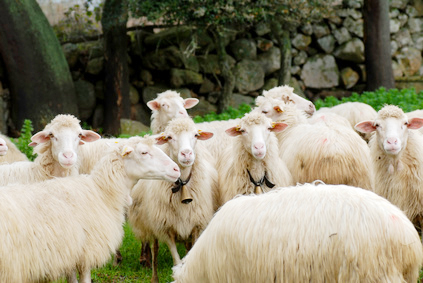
(278, 127)
(365, 127)
(161, 139)
(41, 137)
(204, 135)
(415, 123)
(234, 131)
(190, 102)
(32, 144)
(278, 109)
(89, 136)
(153, 105)
(126, 150)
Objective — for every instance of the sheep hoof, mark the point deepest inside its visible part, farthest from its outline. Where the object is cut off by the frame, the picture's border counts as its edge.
(118, 258)
(145, 262)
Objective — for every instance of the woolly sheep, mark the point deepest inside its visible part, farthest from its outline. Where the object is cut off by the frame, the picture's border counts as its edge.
(158, 213)
(50, 228)
(346, 234)
(322, 150)
(13, 153)
(252, 156)
(397, 156)
(354, 112)
(57, 148)
(166, 106)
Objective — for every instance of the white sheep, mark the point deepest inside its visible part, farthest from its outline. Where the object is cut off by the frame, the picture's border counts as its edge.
(321, 150)
(252, 163)
(161, 210)
(49, 229)
(13, 153)
(3, 147)
(354, 112)
(57, 148)
(166, 106)
(308, 233)
(397, 156)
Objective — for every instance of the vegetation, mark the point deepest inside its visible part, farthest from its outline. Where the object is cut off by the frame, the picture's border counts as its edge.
(25, 139)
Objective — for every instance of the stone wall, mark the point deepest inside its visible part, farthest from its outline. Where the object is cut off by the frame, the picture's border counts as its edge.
(327, 59)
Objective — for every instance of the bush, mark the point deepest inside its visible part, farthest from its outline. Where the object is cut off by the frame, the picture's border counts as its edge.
(25, 139)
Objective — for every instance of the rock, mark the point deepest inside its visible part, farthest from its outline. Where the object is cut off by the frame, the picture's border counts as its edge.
(327, 43)
(342, 35)
(180, 77)
(301, 41)
(249, 76)
(352, 50)
(243, 48)
(396, 68)
(418, 7)
(85, 95)
(355, 4)
(295, 70)
(403, 37)
(403, 18)
(270, 83)
(270, 61)
(264, 44)
(410, 60)
(202, 108)
(71, 53)
(355, 14)
(132, 128)
(411, 11)
(307, 28)
(393, 13)
(163, 59)
(415, 25)
(98, 116)
(95, 66)
(207, 86)
(146, 77)
(141, 113)
(99, 89)
(354, 26)
(150, 92)
(400, 4)
(320, 71)
(169, 36)
(320, 30)
(349, 77)
(91, 49)
(300, 59)
(394, 25)
(262, 28)
(209, 64)
(238, 99)
(363, 73)
(417, 41)
(191, 63)
(134, 96)
(394, 47)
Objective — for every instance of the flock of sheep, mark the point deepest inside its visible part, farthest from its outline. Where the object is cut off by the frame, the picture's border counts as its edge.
(284, 194)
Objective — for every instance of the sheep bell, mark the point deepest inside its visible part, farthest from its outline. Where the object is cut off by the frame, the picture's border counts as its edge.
(185, 195)
(258, 190)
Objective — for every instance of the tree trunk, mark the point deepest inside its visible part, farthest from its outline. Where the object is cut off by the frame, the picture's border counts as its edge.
(284, 42)
(377, 44)
(116, 87)
(228, 76)
(40, 82)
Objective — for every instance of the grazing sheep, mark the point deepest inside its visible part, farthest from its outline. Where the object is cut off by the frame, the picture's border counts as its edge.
(252, 162)
(346, 234)
(52, 228)
(166, 106)
(160, 209)
(397, 156)
(57, 148)
(13, 153)
(321, 150)
(354, 112)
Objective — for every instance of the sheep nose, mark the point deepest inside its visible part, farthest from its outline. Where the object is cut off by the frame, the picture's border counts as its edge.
(183, 113)
(392, 140)
(176, 169)
(312, 108)
(259, 145)
(68, 155)
(186, 153)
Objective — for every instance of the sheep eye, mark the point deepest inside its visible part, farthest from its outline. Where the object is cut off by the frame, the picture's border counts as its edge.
(51, 135)
(144, 152)
(80, 136)
(168, 137)
(264, 112)
(377, 125)
(242, 131)
(406, 123)
(197, 135)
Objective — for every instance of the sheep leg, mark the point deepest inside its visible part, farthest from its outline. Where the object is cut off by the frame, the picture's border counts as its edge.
(71, 278)
(145, 257)
(173, 250)
(85, 275)
(118, 258)
(155, 263)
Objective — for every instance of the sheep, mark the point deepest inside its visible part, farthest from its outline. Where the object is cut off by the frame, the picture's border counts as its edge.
(321, 150)
(354, 112)
(166, 106)
(397, 157)
(3, 147)
(52, 228)
(307, 233)
(57, 149)
(252, 162)
(13, 153)
(160, 210)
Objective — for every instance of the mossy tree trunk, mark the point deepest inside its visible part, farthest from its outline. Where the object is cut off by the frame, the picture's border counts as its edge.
(116, 86)
(228, 76)
(38, 75)
(284, 42)
(377, 44)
